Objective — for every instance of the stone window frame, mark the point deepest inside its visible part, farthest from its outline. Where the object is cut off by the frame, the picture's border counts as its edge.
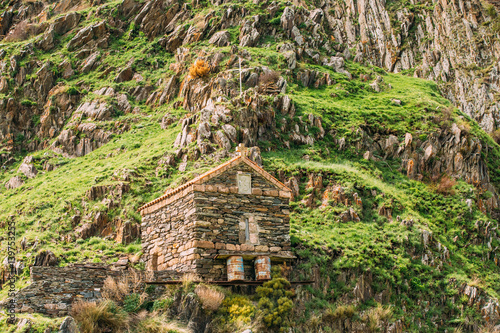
(241, 179)
(253, 230)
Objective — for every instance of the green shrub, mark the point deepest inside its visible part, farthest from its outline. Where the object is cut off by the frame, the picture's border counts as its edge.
(72, 91)
(19, 138)
(162, 304)
(28, 103)
(275, 304)
(237, 309)
(36, 120)
(275, 21)
(131, 302)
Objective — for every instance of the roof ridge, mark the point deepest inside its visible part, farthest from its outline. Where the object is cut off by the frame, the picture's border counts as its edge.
(188, 183)
(199, 178)
(261, 169)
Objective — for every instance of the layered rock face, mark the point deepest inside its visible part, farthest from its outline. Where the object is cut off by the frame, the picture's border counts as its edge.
(450, 42)
(426, 38)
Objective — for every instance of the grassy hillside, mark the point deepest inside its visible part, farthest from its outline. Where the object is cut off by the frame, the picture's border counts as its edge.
(418, 245)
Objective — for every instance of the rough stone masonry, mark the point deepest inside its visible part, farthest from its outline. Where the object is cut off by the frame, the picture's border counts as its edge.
(236, 209)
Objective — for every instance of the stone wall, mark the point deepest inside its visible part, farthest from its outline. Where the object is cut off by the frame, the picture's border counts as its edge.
(54, 289)
(166, 234)
(221, 218)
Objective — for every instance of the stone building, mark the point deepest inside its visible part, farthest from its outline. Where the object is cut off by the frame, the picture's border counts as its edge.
(235, 214)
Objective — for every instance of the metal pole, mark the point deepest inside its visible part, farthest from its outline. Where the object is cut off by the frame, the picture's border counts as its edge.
(241, 86)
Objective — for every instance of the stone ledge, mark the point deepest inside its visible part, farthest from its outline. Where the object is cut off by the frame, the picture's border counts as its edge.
(282, 256)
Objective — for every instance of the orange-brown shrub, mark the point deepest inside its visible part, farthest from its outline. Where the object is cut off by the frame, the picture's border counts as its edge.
(446, 185)
(210, 298)
(199, 68)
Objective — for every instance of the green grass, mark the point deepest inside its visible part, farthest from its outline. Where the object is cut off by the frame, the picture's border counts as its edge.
(391, 252)
(348, 105)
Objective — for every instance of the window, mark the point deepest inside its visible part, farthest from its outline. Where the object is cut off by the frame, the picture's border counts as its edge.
(244, 182)
(247, 231)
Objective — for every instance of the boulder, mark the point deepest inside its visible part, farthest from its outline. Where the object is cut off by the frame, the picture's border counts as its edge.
(45, 80)
(23, 326)
(250, 39)
(123, 103)
(317, 15)
(254, 155)
(337, 64)
(127, 232)
(297, 37)
(95, 110)
(4, 85)
(46, 258)
(66, 69)
(223, 141)
(230, 132)
(125, 75)
(220, 39)
(47, 42)
(252, 80)
(90, 63)
(291, 59)
(14, 182)
(69, 326)
(87, 34)
(408, 139)
(64, 24)
(429, 152)
(27, 167)
(204, 130)
(287, 20)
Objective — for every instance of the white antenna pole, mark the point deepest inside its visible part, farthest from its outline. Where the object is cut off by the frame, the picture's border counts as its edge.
(241, 86)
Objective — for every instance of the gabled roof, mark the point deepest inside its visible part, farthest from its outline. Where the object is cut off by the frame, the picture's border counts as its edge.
(216, 172)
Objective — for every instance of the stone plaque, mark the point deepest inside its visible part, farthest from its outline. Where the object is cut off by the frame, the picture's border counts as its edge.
(244, 181)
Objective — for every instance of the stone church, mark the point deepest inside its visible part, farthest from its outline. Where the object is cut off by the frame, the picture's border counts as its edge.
(229, 223)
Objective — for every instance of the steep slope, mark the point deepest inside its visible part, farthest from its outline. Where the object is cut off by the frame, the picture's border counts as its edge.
(106, 104)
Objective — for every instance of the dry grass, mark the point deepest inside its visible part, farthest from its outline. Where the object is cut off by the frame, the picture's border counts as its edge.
(199, 68)
(446, 185)
(211, 298)
(188, 279)
(117, 289)
(153, 324)
(93, 317)
(375, 317)
(269, 77)
(475, 282)
(342, 312)
(490, 328)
